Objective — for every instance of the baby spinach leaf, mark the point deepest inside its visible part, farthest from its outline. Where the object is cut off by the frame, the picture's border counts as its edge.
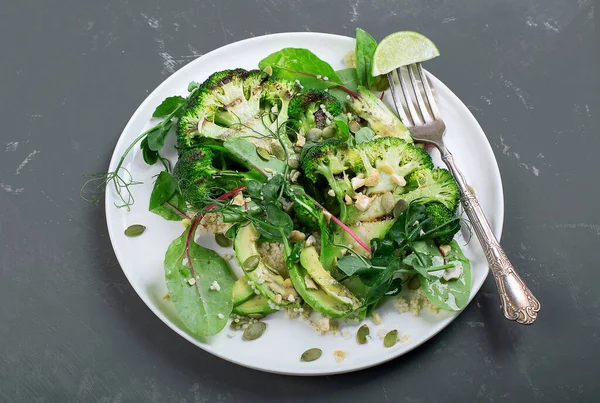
(364, 135)
(203, 311)
(295, 63)
(382, 251)
(246, 152)
(452, 294)
(168, 106)
(365, 48)
(349, 79)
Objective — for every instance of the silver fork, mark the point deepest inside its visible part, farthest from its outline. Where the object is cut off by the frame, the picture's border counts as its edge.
(426, 125)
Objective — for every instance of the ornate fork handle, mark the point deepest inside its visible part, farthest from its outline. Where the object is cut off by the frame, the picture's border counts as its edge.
(517, 301)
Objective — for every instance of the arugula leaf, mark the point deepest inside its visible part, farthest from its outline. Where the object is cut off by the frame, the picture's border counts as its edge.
(291, 63)
(246, 152)
(203, 311)
(150, 156)
(453, 294)
(168, 106)
(364, 135)
(365, 48)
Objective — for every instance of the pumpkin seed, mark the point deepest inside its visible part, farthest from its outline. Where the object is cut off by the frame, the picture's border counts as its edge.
(361, 335)
(294, 161)
(388, 202)
(251, 263)
(399, 208)
(263, 153)
(135, 230)
(314, 134)
(278, 151)
(222, 240)
(329, 132)
(390, 338)
(354, 126)
(414, 283)
(254, 330)
(311, 354)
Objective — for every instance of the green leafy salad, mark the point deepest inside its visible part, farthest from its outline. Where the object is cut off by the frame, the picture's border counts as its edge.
(314, 182)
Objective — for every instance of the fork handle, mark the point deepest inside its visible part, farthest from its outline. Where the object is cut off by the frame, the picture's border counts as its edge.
(517, 301)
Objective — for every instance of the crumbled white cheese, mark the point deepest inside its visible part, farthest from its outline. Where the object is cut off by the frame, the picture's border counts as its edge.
(220, 316)
(331, 193)
(192, 281)
(215, 286)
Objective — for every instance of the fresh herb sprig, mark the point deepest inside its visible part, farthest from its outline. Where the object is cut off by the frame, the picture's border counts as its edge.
(152, 142)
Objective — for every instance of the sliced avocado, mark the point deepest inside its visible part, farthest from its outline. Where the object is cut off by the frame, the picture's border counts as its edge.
(318, 299)
(309, 259)
(365, 231)
(255, 305)
(242, 291)
(268, 282)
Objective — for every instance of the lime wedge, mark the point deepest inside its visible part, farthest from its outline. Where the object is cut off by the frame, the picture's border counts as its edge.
(401, 49)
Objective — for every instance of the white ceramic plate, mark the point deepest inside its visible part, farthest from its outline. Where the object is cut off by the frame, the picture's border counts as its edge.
(279, 349)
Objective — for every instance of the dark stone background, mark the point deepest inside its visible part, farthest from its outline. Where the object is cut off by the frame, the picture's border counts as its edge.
(71, 74)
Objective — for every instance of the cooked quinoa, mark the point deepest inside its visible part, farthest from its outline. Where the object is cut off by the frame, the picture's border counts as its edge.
(271, 254)
(212, 223)
(415, 301)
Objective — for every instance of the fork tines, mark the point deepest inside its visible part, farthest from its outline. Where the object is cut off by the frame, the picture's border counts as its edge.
(425, 110)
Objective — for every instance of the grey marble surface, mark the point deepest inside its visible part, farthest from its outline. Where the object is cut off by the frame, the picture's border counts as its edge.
(71, 74)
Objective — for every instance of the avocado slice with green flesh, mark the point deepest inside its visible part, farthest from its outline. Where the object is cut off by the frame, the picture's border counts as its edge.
(318, 299)
(365, 231)
(242, 291)
(267, 281)
(255, 305)
(309, 259)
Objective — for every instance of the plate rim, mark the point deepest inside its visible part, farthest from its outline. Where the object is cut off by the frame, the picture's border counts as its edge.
(316, 372)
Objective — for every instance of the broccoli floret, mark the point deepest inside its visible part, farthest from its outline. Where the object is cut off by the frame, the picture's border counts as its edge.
(311, 109)
(446, 223)
(305, 218)
(393, 153)
(199, 180)
(381, 119)
(237, 103)
(336, 162)
(432, 185)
